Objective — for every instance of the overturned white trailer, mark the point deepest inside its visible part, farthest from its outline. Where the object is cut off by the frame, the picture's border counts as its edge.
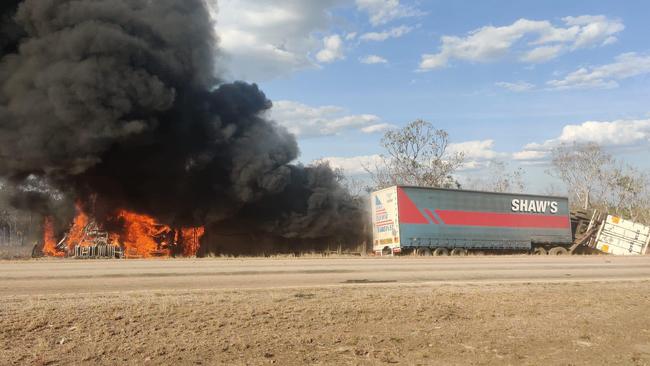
(622, 237)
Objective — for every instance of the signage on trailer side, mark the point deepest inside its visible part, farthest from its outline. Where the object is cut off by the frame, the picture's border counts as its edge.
(385, 219)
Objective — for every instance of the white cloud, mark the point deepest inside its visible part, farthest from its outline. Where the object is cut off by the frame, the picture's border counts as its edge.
(491, 43)
(471, 165)
(351, 36)
(395, 32)
(530, 155)
(477, 153)
(609, 134)
(383, 11)
(625, 66)
(430, 61)
(262, 39)
(519, 86)
(372, 59)
(380, 127)
(484, 44)
(353, 165)
(594, 30)
(307, 121)
(614, 133)
(542, 54)
(332, 49)
(618, 133)
(475, 150)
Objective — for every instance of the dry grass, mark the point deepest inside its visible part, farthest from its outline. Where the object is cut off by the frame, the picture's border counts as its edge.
(15, 252)
(578, 324)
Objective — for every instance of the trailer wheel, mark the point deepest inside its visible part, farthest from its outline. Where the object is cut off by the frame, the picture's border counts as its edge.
(459, 252)
(439, 252)
(425, 252)
(386, 251)
(558, 251)
(540, 251)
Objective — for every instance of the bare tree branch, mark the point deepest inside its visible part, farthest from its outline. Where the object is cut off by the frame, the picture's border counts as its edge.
(415, 155)
(597, 180)
(583, 168)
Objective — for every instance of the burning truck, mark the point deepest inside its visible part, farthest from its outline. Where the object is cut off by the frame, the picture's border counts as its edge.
(119, 107)
(139, 236)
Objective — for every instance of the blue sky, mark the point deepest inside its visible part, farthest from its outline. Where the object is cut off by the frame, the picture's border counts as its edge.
(507, 79)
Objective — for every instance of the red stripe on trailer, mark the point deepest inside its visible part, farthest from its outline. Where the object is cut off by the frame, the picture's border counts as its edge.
(408, 211)
(493, 219)
(430, 214)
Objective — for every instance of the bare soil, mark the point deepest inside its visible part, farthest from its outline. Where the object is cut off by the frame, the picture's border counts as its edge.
(572, 323)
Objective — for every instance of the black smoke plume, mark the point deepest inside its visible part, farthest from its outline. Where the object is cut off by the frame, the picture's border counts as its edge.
(119, 103)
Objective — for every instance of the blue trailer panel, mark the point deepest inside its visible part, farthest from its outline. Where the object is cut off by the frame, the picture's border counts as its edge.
(444, 218)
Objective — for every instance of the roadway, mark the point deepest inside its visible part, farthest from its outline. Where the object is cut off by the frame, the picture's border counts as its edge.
(53, 276)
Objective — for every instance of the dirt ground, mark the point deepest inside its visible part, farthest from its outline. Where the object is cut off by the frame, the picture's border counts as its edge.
(361, 322)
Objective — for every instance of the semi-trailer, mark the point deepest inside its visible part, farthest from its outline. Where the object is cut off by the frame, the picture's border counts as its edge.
(621, 237)
(435, 221)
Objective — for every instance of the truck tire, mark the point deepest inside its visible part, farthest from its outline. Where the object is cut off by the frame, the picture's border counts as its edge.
(540, 251)
(558, 251)
(440, 252)
(424, 252)
(459, 252)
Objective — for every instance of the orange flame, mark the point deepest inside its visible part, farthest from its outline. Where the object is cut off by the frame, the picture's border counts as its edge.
(191, 240)
(139, 232)
(114, 239)
(76, 233)
(49, 241)
(141, 236)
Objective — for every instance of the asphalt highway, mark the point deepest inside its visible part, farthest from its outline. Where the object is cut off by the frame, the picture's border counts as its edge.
(54, 276)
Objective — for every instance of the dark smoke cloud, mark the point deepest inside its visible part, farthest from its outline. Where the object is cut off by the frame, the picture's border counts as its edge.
(10, 30)
(118, 102)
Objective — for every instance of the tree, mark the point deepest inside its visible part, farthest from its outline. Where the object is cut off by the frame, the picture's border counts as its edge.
(497, 177)
(415, 155)
(597, 180)
(584, 168)
(553, 189)
(627, 193)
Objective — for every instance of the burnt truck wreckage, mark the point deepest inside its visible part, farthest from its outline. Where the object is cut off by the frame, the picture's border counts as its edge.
(93, 243)
(133, 91)
(97, 243)
(142, 238)
(431, 221)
